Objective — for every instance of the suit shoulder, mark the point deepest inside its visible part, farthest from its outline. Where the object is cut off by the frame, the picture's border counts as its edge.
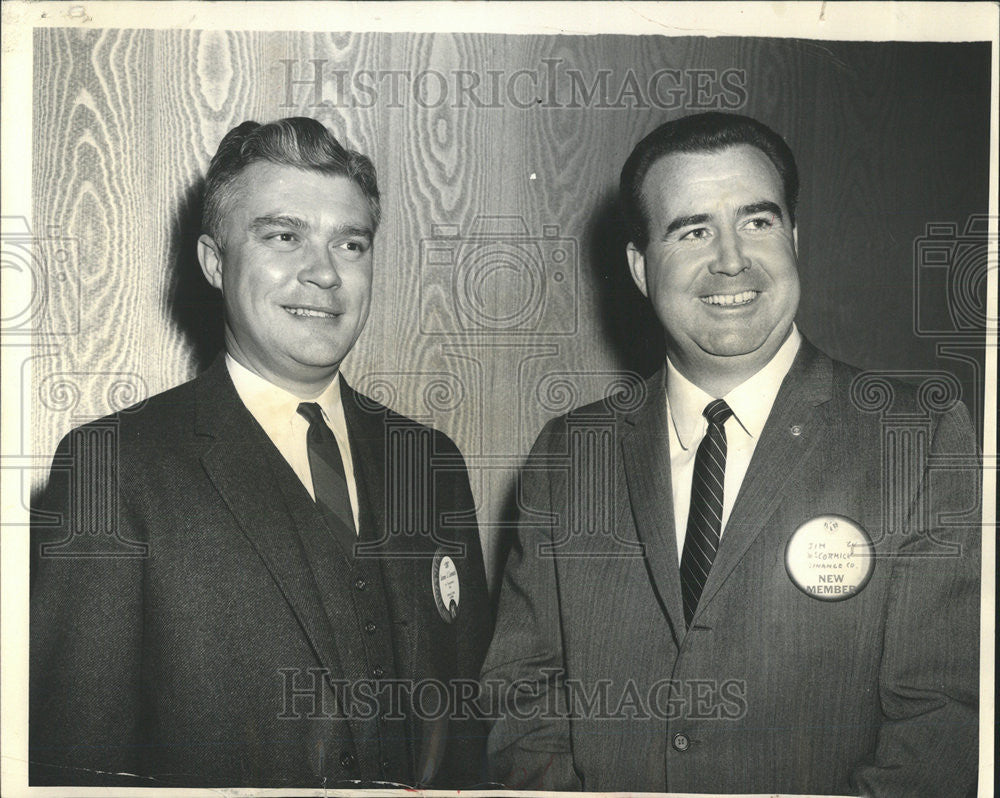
(923, 393)
(396, 420)
(162, 414)
(629, 393)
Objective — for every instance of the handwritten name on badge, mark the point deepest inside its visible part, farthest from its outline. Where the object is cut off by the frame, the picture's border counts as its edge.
(830, 558)
(444, 583)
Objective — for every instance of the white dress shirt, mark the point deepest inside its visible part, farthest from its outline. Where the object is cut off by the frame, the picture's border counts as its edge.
(751, 403)
(276, 410)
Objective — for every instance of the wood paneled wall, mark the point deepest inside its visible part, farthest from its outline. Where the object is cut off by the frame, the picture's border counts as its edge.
(501, 296)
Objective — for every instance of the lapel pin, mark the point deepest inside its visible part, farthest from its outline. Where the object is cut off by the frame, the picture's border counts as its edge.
(796, 430)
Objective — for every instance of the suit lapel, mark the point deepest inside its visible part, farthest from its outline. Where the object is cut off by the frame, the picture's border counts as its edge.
(375, 470)
(366, 429)
(244, 466)
(646, 458)
(778, 456)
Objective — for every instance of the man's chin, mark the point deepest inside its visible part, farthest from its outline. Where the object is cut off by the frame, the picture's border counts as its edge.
(319, 354)
(736, 350)
(308, 369)
(743, 344)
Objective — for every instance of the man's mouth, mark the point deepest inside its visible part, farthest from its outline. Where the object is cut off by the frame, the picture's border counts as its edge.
(314, 313)
(742, 298)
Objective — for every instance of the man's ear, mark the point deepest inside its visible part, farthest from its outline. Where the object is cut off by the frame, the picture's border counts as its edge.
(210, 258)
(637, 267)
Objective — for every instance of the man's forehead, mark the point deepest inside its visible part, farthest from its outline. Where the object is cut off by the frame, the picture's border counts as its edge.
(715, 174)
(278, 177)
(269, 189)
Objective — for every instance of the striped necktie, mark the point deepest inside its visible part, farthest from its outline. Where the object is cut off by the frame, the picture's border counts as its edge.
(704, 525)
(328, 476)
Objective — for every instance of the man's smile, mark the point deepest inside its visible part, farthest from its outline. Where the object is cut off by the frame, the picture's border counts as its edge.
(309, 311)
(742, 298)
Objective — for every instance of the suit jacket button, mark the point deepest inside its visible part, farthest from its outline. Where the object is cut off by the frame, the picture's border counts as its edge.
(370, 628)
(360, 584)
(347, 760)
(681, 742)
(377, 672)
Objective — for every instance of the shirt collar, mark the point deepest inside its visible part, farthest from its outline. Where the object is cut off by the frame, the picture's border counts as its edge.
(266, 400)
(750, 401)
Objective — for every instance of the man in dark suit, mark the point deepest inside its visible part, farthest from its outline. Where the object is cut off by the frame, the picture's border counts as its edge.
(758, 572)
(299, 598)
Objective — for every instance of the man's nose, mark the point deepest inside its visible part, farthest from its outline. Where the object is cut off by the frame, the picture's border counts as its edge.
(321, 268)
(729, 257)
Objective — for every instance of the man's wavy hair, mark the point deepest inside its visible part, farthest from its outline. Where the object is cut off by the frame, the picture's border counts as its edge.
(708, 132)
(295, 141)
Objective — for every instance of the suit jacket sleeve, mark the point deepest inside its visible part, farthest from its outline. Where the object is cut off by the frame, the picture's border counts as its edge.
(927, 744)
(529, 742)
(85, 618)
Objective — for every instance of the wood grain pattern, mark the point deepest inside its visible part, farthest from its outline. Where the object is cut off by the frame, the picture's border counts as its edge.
(501, 155)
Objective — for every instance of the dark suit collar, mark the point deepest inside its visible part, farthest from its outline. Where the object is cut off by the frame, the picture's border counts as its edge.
(645, 445)
(246, 469)
(809, 380)
(646, 455)
(380, 466)
(794, 428)
(255, 483)
(219, 412)
(366, 430)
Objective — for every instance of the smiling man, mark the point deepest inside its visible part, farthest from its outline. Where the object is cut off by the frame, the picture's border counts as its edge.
(725, 582)
(305, 565)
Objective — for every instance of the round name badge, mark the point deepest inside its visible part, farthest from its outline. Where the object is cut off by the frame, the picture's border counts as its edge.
(830, 558)
(444, 583)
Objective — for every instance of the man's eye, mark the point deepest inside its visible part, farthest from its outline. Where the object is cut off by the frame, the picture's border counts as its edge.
(358, 247)
(760, 223)
(283, 238)
(698, 234)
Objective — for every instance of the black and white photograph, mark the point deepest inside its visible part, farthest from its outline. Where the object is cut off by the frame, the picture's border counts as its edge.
(543, 398)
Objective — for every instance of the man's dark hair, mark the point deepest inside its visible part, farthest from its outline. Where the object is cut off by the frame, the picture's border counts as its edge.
(295, 141)
(708, 132)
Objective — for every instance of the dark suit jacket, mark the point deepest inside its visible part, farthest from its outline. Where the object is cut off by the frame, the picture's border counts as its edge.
(210, 658)
(771, 690)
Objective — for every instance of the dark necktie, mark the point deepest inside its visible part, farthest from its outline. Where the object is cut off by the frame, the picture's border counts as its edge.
(329, 479)
(704, 525)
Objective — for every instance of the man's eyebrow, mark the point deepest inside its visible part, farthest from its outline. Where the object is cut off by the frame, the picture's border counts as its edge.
(355, 230)
(264, 222)
(295, 223)
(764, 206)
(684, 221)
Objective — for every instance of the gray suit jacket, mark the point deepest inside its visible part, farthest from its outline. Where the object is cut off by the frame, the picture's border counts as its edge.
(214, 656)
(771, 690)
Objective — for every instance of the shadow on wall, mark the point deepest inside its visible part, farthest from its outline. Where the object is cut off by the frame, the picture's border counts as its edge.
(626, 323)
(191, 303)
(194, 306)
(500, 542)
(626, 319)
